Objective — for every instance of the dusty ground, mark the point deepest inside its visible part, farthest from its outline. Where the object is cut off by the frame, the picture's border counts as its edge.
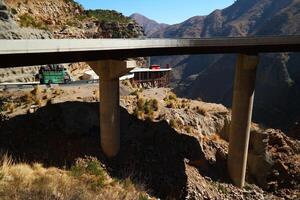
(172, 146)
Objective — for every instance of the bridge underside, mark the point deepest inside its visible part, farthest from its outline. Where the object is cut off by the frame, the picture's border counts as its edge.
(15, 53)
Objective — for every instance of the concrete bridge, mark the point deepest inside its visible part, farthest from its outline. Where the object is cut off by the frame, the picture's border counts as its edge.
(108, 58)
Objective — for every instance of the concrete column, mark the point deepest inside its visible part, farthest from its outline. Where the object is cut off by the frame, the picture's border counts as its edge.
(243, 94)
(109, 72)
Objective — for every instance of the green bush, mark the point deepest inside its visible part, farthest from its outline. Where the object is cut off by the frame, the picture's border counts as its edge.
(27, 20)
(14, 11)
(89, 166)
(107, 16)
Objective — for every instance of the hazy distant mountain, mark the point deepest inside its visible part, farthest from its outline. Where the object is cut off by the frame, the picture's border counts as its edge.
(150, 26)
(211, 77)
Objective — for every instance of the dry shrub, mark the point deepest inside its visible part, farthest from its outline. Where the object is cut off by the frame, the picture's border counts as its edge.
(36, 91)
(200, 110)
(137, 92)
(155, 104)
(171, 104)
(173, 123)
(86, 180)
(35, 96)
(185, 104)
(27, 98)
(188, 129)
(127, 83)
(172, 96)
(145, 108)
(171, 101)
(57, 92)
(9, 107)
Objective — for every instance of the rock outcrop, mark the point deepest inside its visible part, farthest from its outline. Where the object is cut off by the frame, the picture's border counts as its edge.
(10, 30)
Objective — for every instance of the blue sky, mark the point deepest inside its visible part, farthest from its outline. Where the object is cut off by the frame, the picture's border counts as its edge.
(164, 11)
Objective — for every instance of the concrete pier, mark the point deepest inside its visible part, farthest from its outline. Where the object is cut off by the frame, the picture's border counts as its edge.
(109, 72)
(243, 95)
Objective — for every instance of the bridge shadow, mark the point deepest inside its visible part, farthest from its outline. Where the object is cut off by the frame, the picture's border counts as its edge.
(151, 153)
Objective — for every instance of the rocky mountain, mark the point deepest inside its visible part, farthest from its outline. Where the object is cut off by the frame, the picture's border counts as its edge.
(42, 19)
(68, 19)
(210, 77)
(150, 26)
(9, 29)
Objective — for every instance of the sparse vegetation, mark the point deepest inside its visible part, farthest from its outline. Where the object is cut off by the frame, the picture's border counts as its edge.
(27, 20)
(9, 107)
(200, 110)
(137, 92)
(188, 129)
(107, 16)
(87, 179)
(146, 108)
(173, 124)
(172, 101)
(13, 11)
(92, 167)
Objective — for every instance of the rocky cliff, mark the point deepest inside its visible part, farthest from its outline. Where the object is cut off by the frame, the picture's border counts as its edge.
(10, 30)
(211, 77)
(68, 19)
(42, 19)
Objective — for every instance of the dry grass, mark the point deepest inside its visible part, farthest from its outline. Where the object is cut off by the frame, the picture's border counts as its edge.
(137, 92)
(188, 129)
(9, 107)
(86, 180)
(145, 109)
(200, 110)
(172, 101)
(173, 123)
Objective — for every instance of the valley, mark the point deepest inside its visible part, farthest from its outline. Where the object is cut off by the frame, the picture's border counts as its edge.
(174, 142)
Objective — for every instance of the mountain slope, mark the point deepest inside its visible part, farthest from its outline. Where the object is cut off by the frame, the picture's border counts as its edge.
(150, 26)
(278, 74)
(58, 19)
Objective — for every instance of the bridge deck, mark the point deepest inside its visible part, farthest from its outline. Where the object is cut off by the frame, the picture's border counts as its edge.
(34, 52)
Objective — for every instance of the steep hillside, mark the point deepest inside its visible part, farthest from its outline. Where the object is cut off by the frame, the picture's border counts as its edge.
(59, 19)
(278, 74)
(150, 26)
(10, 30)
(68, 19)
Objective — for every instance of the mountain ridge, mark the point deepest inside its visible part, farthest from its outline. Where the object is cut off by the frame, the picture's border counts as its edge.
(150, 26)
(207, 77)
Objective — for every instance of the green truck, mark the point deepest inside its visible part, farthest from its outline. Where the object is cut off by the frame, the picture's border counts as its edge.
(53, 74)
